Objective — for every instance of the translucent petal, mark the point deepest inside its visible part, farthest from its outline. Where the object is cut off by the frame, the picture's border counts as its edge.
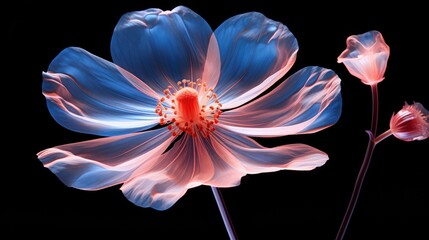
(100, 163)
(369, 68)
(88, 94)
(306, 102)
(164, 47)
(153, 190)
(218, 161)
(255, 52)
(259, 159)
(189, 163)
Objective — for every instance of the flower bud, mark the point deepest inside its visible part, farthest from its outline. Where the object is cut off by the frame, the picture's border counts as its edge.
(410, 123)
(366, 57)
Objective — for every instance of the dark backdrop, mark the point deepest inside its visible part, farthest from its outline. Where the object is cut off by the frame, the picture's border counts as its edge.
(280, 205)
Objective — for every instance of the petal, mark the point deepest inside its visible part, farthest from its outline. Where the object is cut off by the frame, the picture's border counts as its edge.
(258, 159)
(218, 161)
(162, 47)
(153, 190)
(306, 102)
(192, 161)
(100, 163)
(358, 45)
(255, 52)
(88, 94)
(370, 68)
(188, 161)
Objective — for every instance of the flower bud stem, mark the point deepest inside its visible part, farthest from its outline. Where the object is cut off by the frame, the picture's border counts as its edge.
(383, 136)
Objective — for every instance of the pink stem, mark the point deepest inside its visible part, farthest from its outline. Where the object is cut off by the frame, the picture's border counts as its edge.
(383, 136)
(364, 167)
(374, 121)
(357, 188)
(224, 213)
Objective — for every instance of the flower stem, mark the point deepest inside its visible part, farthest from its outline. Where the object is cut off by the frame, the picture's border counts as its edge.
(383, 136)
(365, 164)
(374, 121)
(357, 188)
(225, 216)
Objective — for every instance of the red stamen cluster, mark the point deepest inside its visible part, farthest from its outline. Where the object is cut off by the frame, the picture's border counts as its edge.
(192, 109)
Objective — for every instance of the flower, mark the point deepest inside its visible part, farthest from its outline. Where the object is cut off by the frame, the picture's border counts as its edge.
(366, 57)
(410, 123)
(170, 69)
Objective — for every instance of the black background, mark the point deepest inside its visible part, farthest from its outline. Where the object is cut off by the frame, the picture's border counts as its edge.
(280, 205)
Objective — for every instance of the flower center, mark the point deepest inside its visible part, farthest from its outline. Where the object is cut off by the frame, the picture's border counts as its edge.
(192, 109)
(188, 107)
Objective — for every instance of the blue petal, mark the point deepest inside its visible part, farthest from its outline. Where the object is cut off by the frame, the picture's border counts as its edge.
(162, 47)
(360, 43)
(255, 52)
(100, 163)
(306, 102)
(88, 94)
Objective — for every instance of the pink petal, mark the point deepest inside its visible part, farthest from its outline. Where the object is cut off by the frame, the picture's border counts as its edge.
(218, 161)
(258, 159)
(100, 163)
(193, 161)
(153, 190)
(212, 65)
(189, 163)
(306, 102)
